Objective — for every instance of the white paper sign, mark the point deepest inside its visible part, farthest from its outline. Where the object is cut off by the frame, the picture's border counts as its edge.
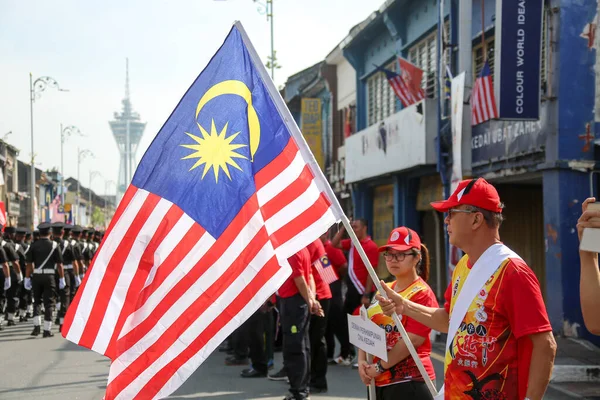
(590, 240)
(367, 335)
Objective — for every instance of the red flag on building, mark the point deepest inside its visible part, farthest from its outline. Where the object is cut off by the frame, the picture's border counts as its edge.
(406, 84)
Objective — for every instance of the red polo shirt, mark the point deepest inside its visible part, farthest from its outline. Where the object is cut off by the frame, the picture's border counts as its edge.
(335, 255)
(300, 263)
(317, 250)
(357, 271)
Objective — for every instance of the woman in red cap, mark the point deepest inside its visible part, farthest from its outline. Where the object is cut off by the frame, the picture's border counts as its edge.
(407, 259)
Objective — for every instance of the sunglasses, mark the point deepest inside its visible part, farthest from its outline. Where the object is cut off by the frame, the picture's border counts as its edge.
(456, 210)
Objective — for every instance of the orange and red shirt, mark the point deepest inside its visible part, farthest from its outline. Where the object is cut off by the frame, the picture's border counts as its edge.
(357, 271)
(490, 354)
(406, 370)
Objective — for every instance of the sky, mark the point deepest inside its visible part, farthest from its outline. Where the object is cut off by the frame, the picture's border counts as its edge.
(83, 46)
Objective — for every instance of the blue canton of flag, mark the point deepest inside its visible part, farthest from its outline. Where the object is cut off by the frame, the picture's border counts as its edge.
(448, 83)
(216, 129)
(225, 194)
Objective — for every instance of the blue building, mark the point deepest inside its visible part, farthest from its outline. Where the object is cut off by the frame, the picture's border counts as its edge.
(391, 161)
(542, 168)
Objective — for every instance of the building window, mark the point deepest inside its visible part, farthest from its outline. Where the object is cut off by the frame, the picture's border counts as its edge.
(424, 55)
(381, 97)
(479, 59)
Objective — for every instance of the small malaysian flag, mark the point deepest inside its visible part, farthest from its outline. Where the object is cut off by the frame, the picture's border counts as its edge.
(326, 270)
(483, 102)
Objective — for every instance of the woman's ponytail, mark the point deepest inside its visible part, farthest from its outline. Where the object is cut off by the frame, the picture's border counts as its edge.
(423, 265)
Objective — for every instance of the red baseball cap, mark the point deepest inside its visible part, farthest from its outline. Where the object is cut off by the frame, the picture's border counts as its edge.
(473, 192)
(402, 239)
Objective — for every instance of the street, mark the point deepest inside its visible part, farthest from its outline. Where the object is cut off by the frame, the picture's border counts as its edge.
(55, 369)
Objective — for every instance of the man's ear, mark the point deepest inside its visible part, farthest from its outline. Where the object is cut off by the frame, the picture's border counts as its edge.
(478, 221)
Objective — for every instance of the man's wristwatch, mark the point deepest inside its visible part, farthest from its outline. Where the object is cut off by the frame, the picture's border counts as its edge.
(379, 368)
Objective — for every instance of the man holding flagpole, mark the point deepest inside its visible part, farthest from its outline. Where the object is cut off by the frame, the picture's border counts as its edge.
(500, 343)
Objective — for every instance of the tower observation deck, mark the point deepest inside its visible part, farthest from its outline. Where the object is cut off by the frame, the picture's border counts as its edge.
(127, 130)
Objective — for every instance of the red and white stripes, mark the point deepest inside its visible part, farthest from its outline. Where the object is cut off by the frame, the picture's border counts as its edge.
(404, 92)
(483, 101)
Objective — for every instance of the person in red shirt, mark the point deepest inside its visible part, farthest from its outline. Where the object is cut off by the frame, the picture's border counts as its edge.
(336, 318)
(318, 324)
(407, 259)
(504, 347)
(298, 302)
(359, 283)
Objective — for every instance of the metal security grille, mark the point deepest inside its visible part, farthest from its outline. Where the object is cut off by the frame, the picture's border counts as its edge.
(381, 97)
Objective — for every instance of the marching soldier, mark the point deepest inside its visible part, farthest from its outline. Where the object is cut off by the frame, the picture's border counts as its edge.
(43, 259)
(91, 246)
(36, 235)
(85, 248)
(27, 237)
(60, 234)
(12, 294)
(25, 297)
(77, 245)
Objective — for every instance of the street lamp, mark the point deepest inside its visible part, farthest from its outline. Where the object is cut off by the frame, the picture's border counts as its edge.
(64, 135)
(35, 91)
(93, 174)
(268, 10)
(81, 155)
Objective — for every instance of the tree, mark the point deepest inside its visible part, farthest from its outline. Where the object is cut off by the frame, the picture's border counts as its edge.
(98, 217)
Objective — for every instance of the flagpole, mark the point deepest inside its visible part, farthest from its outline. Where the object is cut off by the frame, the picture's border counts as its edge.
(483, 52)
(322, 184)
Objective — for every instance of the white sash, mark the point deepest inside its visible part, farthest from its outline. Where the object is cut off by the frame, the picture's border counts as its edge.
(54, 246)
(484, 268)
(65, 244)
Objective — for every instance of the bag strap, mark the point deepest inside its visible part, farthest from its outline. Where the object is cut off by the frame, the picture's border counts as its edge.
(47, 258)
(65, 244)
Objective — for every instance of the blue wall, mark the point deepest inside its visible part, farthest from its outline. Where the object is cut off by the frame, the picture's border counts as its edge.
(565, 189)
(489, 13)
(576, 96)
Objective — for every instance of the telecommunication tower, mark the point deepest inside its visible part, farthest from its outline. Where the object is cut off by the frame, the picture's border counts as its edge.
(127, 130)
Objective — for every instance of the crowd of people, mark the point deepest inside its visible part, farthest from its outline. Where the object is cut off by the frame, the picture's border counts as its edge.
(42, 271)
(496, 347)
(500, 343)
